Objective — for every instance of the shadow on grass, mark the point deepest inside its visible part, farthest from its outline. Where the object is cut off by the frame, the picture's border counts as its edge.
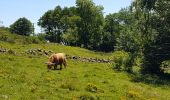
(55, 69)
(158, 80)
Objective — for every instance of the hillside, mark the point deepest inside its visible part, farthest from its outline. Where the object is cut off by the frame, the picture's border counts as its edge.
(25, 76)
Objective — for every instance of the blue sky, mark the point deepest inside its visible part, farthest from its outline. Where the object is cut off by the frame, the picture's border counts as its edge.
(11, 10)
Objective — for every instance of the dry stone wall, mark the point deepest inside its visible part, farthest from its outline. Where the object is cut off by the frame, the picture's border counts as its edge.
(42, 52)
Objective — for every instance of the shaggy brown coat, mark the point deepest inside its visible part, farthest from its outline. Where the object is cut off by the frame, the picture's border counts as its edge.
(57, 59)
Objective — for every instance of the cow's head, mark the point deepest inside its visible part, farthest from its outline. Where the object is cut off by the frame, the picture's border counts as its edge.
(49, 64)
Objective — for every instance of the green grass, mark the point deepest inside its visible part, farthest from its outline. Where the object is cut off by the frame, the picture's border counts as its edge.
(25, 77)
(6, 36)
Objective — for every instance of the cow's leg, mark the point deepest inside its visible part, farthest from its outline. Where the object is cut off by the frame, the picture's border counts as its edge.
(65, 63)
(48, 67)
(60, 66)
(55, 66)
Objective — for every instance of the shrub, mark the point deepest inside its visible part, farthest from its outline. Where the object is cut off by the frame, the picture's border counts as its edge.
(122, 61)
(165, 65)
(3, 37)
(41, 36)
(6, 36)
(32, 39)
(11, 52)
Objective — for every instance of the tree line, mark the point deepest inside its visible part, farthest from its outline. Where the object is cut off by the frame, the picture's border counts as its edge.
(142, 29)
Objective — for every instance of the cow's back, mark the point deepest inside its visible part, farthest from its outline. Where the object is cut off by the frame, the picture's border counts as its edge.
(58, 58)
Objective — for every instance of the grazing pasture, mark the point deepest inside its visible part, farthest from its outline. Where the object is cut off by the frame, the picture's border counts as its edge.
(25, 76)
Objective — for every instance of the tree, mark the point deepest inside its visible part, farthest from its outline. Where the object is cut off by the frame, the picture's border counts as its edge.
(84, 23)
(128, 37)
(157, 51)
(70, 36)
(70, 20)
(153, 18)
(107, 42)
(111, 31)
(56, 22)
(51, 22)
(90, 26)
(22, 27)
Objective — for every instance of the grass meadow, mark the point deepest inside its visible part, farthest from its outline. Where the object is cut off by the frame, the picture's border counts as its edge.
(25, 77)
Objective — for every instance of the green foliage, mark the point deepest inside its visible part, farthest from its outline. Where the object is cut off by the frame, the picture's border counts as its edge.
(33, 39)
(154, 20)
(122, 61)
(107, 42)
(129, 42)
(56, 22)
(112, 24)
(123, 33)
(22, 27)
(52, 24)
(6, 36)
(70, 37)
(78, 26)
(165, 66)
(41, 36)
(46, 21)
(89, 28)
(111, 30)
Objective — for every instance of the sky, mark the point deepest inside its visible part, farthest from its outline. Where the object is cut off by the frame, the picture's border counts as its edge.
(12, 10)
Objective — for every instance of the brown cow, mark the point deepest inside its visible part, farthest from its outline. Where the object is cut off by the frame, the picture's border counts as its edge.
(57, 59)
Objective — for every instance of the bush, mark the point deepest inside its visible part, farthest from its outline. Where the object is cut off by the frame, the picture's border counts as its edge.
(11, 52)
(122, 61)
(165, 65)
(41, 36)
(32, 39)
(6, 36)
(3, 37)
